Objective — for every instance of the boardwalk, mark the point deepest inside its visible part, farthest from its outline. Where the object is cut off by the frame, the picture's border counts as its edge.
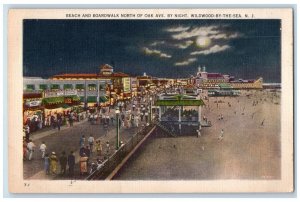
(68, 139)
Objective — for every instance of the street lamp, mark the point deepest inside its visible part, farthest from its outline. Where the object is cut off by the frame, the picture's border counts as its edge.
(150, 109)
(118, 128)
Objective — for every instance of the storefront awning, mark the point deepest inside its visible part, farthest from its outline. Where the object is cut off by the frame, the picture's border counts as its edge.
(53, 100)
(60, 100)
(91, 99)
(32, 95)
(74, 97)
(103, 99)
(32, 108)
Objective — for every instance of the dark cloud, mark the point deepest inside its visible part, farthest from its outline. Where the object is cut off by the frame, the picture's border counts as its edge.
(164, 48)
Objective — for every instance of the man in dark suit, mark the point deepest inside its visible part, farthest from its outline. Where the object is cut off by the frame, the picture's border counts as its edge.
(71, 163)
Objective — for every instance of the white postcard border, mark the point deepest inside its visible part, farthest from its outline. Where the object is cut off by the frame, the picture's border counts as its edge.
(15, 91)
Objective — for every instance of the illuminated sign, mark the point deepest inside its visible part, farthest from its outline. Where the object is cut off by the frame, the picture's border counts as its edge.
(133, 83)
(33, 103)
(126, 84)
(106, 73)
(58, 93)
(68, 100)
(70, 92)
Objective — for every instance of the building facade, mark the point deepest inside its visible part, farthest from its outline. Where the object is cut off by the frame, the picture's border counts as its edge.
(99, 89)
(207, 80)
(90, 91)
(115, 84)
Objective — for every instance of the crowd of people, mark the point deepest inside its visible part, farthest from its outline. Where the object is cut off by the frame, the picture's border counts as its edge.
(66, 118)
(89, 150)
(92, 152)
(172, 114)
(34, 123)
(132, 113)
(55, 121)
(50, 160)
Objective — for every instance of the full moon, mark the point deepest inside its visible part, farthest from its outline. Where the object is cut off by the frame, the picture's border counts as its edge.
(203, 41)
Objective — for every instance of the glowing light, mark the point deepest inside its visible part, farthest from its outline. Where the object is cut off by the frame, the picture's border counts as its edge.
(203, 41)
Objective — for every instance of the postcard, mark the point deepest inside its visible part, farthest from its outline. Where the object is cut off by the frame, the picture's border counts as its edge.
(150, 100)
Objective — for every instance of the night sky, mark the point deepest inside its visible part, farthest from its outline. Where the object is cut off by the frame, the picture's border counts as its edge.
(165, 48)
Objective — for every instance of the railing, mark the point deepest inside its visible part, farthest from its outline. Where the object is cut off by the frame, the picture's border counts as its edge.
(183, 119)
(167, 130)
(114, 160)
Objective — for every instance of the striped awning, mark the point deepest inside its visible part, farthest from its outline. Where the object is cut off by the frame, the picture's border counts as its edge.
(103, 99)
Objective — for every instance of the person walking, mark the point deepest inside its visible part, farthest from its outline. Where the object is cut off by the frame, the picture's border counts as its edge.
(71, 163)
(108, 119)
(43, 148)
(107, 148)
(138, 111)
(47, 164)
(87, 151)
(59, 121)
(98, 147)
(91, 141)
(112, 120)
(132, 120)
(136, 121)
(144, 109)
(142, 116)
(81, 151)
(30, 147)
(71, 119)
(83, 164)
(105, 126)
(82, 141)
(53, 123)
(146, 116)
(27, 132)
(220, 138)
(63, 163)
(53, 163)
(198, 133)
(67, 120)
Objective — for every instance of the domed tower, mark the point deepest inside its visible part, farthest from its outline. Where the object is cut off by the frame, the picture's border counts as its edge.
(106, 69)
(199, 71)
(204, 73)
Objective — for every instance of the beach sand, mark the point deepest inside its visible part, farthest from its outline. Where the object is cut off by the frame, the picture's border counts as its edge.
(248, 150)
